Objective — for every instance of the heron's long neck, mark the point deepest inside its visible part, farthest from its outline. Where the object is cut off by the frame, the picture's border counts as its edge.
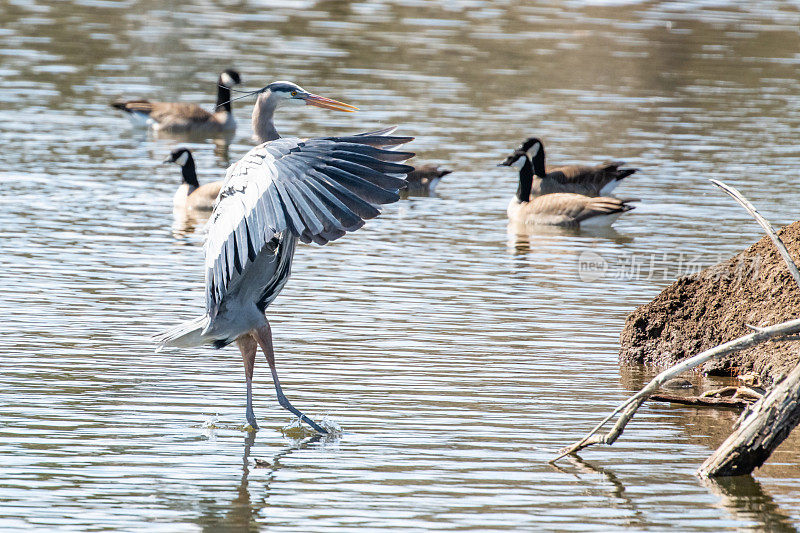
(525, 181)
(190, 174)
(223, 98)
(263, 127)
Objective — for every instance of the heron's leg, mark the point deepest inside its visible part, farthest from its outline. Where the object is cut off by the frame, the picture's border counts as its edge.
(247, 345)
(264, 337)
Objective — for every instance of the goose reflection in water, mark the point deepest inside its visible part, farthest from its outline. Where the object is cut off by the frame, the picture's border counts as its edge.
(524, 238)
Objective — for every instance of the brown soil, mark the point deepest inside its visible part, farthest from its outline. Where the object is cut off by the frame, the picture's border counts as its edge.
(703, 310)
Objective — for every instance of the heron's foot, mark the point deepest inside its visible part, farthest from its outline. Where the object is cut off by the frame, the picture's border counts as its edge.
(297, 429)
(316, 427)
(291, 408)
(251, 420)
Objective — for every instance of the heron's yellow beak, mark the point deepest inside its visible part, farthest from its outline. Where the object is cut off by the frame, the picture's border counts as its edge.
(327, 103)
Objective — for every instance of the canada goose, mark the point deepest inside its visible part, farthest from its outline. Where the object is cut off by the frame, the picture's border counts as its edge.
(561, 208)
(177, 117)
(190, 194)
(282, 191)
(598, 180)
(424, 178)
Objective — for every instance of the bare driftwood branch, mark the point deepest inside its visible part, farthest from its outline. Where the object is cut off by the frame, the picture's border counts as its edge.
(761, 334)
(730, 390)
(758, 432)
(762, 427)
(764, 223)
(734, 392)
(629, 406)
(737, 403)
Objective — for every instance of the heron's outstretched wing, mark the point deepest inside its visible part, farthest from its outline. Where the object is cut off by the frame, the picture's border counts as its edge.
(317, 189)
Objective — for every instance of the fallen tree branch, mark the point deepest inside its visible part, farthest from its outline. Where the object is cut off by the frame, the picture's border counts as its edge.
(733, 392)
(736, 403)
(758, 432)
(762, 427)
(628, 408)
(764, 223)
(787, 338)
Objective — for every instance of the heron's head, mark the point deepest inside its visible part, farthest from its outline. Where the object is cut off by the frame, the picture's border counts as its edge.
(179, 156)
(229, 78)
(523, 154)
(288, 92)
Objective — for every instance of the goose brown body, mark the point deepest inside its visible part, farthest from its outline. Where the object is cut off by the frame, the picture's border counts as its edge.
(180, 117)
(175, 117)
(202, 198)
(595, 180)
(567, 210)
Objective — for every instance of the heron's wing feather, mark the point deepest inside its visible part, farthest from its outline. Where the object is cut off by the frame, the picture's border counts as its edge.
(315, 189)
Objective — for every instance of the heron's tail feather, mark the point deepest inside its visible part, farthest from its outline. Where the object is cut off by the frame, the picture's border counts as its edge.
(184, 335)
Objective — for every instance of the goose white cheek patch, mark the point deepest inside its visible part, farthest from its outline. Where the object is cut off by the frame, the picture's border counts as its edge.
(183, 158)
(227, 80)
(519, 163)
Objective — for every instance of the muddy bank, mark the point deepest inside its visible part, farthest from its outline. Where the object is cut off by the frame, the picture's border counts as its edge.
(703, 310)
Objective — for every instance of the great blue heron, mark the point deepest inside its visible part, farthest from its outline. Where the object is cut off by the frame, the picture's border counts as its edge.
(178, 117)
(314, 190)
(559, 208)
(589, 180)
(190, 194)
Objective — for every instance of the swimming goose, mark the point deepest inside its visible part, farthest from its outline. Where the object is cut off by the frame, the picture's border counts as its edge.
(177, 117)
(561, 208)
(424, 178)
(598, 180)
(190, 194)
(282, 191)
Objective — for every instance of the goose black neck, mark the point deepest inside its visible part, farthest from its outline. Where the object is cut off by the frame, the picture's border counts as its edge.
(538, 162)
(189, 173)
(525, 181)
(223, 97)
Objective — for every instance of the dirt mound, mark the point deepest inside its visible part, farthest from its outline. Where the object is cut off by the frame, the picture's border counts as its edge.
(703, 310)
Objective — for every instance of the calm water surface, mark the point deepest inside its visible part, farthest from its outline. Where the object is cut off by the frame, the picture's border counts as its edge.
(455, 353)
